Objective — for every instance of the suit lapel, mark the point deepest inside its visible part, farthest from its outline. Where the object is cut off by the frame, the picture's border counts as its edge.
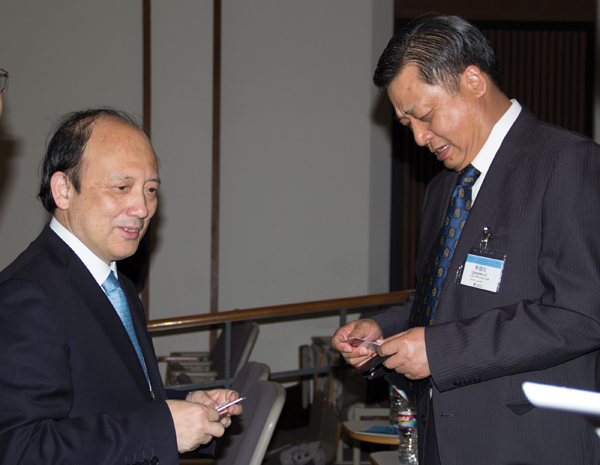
(98, 304)
(440, 189)
(139, 323)
(507, 160)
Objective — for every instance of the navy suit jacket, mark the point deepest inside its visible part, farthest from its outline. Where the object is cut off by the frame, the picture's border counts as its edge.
(72, 387)
(541, 201)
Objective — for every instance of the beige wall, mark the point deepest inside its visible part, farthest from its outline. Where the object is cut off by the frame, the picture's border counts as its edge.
(305, 168)
(61, 57)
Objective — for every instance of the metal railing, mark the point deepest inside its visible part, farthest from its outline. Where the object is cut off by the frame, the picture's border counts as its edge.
(299, 310)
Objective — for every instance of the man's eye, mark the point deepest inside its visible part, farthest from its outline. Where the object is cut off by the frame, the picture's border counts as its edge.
(425, 118)
(404, 123)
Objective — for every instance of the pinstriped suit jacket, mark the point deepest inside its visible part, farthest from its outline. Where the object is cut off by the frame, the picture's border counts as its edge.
(541, 200)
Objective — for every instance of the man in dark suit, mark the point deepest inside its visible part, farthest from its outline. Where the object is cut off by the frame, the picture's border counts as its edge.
(508, 295)
(79, 378)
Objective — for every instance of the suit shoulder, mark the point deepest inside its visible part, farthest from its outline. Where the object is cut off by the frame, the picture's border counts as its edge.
(534, 135)
(556, 146)
(563, 135)
(43, 257)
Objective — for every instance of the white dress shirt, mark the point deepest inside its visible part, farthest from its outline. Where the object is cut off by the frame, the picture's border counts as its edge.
(99, 269)
(486, 155)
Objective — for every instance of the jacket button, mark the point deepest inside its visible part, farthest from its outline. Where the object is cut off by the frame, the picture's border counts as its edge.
(423, 420)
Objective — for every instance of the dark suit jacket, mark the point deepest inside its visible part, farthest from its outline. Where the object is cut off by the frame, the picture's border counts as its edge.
(541, 200)
(72, 389)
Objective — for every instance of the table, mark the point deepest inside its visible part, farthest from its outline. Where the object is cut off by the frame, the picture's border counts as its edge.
(384, 457)
(355, 431)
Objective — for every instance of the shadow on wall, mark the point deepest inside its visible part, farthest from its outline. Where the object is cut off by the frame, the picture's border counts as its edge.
(381, 111)
(9, 147)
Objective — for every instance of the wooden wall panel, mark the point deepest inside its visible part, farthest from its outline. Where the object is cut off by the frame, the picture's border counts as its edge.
(506, 10)
(548, 67)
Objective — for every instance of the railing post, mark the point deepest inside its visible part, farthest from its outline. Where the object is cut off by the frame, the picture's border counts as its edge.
(227, 354)
(343, 312)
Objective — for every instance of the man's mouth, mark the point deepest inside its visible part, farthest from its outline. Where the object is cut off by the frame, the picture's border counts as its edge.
(439, 153)
(131, 232)
(441, 149)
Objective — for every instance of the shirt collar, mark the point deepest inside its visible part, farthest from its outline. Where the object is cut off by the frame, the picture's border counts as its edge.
(95, 265)
(486, 155)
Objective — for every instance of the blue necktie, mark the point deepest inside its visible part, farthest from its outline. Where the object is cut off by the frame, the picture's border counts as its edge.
(117, 298)
(436, 267)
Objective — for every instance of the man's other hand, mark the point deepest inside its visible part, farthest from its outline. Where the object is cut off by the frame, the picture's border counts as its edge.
(364, 329)
(408, 353)
(195, 424)
(217, 397)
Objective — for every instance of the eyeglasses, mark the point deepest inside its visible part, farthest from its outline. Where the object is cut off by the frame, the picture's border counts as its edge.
(3, 81)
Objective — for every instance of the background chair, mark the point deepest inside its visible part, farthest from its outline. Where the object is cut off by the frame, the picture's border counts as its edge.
(250, 373)
(246, 440)
(201, 367)
(321, 434)
(247, 377)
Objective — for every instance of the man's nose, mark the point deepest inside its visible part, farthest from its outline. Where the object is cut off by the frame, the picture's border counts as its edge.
(138, 206)
(421, 133)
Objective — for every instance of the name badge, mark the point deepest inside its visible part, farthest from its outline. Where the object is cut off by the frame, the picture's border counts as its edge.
(483, 268)
(482, 272)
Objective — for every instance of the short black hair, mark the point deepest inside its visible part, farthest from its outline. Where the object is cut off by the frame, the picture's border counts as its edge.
(441, 48)
(65, 149)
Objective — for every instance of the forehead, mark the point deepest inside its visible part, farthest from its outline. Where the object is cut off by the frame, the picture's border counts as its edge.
(408, 93)
(116, 144)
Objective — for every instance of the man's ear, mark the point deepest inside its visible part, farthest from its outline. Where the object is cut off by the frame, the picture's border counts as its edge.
(59, 185)
(475, 81)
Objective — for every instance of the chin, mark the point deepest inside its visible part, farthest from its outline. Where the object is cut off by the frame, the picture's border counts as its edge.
(453, 165)
(124, 254)
(450, 165)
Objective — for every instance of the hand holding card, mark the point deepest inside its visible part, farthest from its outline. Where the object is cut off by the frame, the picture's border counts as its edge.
(359, 342)
(222, 409)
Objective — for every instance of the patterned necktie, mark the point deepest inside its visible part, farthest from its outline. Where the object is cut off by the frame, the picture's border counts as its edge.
(117, 298)
(436, 267)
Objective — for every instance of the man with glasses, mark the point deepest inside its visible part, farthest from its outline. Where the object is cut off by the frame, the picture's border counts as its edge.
(3, 86)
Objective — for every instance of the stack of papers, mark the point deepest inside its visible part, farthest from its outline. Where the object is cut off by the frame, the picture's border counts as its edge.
(381, 430)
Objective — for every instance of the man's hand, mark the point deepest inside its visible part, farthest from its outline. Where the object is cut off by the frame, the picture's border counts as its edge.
(195, 424)
(217, 397)
(409, 353)
(365, 329)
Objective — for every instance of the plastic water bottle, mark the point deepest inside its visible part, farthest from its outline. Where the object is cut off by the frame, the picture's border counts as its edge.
(395, 403)
(406, 414)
